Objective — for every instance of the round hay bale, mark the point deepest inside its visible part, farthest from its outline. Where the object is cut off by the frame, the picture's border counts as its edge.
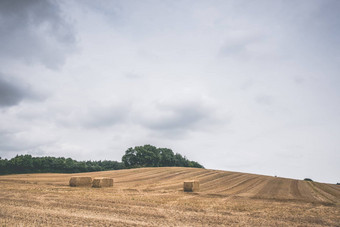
(100, 182)
(191, 186)
(80, 181)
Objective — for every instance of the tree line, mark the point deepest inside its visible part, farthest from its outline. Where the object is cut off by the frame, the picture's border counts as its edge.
(139, 156)
(29, 164)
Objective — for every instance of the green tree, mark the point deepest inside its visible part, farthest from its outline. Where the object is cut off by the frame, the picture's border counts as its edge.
(179, 160)
(22, 163)
(3, 165)
(69, 165)
(150, 156)
(147, 156)
(167, 157)
(130, 158)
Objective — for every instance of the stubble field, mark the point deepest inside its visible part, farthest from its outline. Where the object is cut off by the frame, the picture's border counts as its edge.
(155, 197)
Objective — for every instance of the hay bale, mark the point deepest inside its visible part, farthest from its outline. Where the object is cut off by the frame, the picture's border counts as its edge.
(191, 186)
(102, 182)
(80, 181)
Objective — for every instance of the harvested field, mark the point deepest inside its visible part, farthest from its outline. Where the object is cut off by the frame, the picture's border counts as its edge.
(155, 197)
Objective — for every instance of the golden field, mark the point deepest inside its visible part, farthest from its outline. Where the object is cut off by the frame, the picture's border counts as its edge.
(155, 197)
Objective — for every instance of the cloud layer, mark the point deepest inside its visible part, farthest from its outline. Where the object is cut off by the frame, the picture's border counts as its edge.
(34, 31)
(236, 85)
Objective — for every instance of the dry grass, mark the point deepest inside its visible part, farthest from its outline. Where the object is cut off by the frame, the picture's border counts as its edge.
(155, 197)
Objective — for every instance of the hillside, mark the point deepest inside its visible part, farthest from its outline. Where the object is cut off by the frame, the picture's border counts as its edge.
(154, 196)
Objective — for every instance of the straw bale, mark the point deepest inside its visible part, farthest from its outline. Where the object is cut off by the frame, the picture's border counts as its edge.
(80, 181)
(191, 186)
(102, 182)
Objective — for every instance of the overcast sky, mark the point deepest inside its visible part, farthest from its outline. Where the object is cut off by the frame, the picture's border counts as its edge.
(248, 86)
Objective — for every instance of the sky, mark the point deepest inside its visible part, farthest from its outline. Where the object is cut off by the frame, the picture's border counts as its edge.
(237, 85)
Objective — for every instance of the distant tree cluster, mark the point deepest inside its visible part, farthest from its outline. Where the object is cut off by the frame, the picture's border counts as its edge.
(307, 179)
(141, 156)
(151, 156)
(29, 164)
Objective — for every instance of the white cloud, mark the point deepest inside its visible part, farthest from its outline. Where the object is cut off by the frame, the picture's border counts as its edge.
(179, 113)
(237, 85)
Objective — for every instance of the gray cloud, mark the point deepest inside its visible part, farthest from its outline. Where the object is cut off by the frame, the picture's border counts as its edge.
(132, 75)
(13, 92)
(179, 114)
(107, 116)
(95, 115)
(13, 142)
(172, 73)
(8, 142)
(178, 117)
(237, 43)
(263, 99)
(34, 31)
